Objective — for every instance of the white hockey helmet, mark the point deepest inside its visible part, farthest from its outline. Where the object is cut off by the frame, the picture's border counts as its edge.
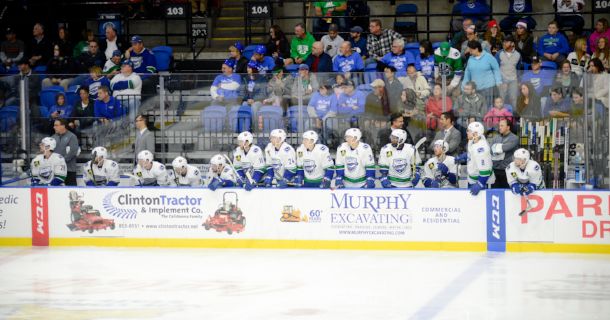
(245, 136)
(400, 134)
(49, 143)
(218, 160)
(99, 152)
(279, 133)
(145, 155)
(179, 162)
(523, 155)
(478, 128)
(311, 135)
(354, 132)
(443, 144)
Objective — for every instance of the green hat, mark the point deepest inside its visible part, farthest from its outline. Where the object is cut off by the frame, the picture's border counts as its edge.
(445, 48)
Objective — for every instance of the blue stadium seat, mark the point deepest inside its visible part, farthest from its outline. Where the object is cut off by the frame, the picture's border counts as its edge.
(406, 27)
(270, 117)
(366, 88)
(249, 51)
(293, 69)
(9, 117)
(213, 118)
(47, 95)
(72, 95)
(436, 45)
(548, 65)
(163, 55)
(240, 118)
(413, 47)
(293, 118)
(44, 111)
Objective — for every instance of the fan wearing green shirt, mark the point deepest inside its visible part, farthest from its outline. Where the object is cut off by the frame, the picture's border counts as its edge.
(300, 46)
(329, 12)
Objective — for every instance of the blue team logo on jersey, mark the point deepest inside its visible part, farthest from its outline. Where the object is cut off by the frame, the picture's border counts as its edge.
(309, 166)
(480, 150)
(276, 164)
(45, 172)
(137, 61)
(399, 165)
(351, 163)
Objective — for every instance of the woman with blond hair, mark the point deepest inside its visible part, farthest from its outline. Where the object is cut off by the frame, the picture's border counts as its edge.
(579, 58)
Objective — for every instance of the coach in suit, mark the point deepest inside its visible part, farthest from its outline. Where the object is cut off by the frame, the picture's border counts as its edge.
(449, 133)
(145, 139)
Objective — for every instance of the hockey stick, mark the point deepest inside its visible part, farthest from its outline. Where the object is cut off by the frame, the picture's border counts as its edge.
(528, 208)
(133, 177)
(248, 176)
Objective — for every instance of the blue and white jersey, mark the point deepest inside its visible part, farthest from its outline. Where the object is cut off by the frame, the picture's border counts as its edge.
(266, 65)
(351, 63)
(249, 162)
(226, 86)
(44, 170)
(314, 163)
(398, 164)
(531, 174)
(353, 164)
(322, 104)
(143, 62)
(156, 176)
(400, 62)
(192, 178)
(281, 159)
(107, 174)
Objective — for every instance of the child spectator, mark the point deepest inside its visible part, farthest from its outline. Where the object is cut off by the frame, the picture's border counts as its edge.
(553, 46)
(497, 112)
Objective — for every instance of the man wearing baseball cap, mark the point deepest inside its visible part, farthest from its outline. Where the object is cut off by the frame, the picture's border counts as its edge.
(358, 42)
(226, 86)
(127, 87)
(12, 50)
(265, 63)
(143, 59)
(448, 59)
(113, 65)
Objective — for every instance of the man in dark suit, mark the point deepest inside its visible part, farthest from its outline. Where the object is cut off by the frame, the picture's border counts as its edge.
(145, 139)
(448, 133)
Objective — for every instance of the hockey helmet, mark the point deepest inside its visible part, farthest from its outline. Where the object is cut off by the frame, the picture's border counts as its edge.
(146, 156)
(278, 133)
(99, 152)
(49, 143)
(477, 127)
(443, 144)
(218, 160)
(400, 135)
(523, 155)
(311, 135)
(179, 162)
(245, 136)
(353, 132)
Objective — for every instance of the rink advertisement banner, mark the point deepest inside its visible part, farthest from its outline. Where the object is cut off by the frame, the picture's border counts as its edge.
(15, 221)
(40, 216)
(305, 214)
(496, 222)
(561, 217)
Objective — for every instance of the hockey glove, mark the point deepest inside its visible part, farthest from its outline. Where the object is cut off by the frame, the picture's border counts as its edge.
(476, 188)
(298, 181)
(443, 168)
(325, 183)
(370, 183)
(516, 188)
(529, 189)
(90, 183)
(339, 183)
(248, 186)
(282, 184)
(435, 184)
(112, 184)
(56, 182)
(268, 181)
(416, 178)
(462, 158)
(215, 184)
(385, 182)
(35, 182)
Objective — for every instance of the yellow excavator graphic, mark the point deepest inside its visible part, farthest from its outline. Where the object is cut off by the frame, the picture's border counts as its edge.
(290, 214)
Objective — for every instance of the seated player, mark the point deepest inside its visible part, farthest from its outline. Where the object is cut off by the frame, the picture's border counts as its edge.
(48, 168)
(354, 162)
(149, 172)
(440, 171)
(280, 159)
(397, 162)
(221, 174)
(524, 176)
(101, 171)
(249, 161)
(314, 164)
(184, 174)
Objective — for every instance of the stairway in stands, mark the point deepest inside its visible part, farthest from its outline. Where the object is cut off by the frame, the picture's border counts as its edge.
(229, 26)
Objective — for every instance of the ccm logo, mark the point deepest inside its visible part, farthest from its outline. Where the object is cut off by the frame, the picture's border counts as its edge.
(495, 216)
(39, 201)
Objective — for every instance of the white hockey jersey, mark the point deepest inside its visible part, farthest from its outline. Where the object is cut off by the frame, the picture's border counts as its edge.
(192, 178)
(314, 163)
(531, 174)
(479, 162)
(354, 162)
(399, 164)
(280, 160)
(157, 175)
(45, 170)
(227, 174)
(134, 87)
(253, 160)
(109, 172)
(431, 171)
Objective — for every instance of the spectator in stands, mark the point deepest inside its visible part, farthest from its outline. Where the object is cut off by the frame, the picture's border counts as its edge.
(143, 60)
(338, 82)
(470, 105)
(484, 70)
(579, 58)
(498, 111)
(568, 15)
(255, 88)
(304, 84)
(448, 133)
(278, 45)
(471, 35)
(61, 109)
(332, 40)
(528, 102)
(398, 58)
(493, 37)
(63, 42)
(524, 41)
(502, 146)
(434, 107)
(517, 10)
(277, 88)
(602, 52)
(448, 57)
(414, 112)
(112, 42)
(416, 82)
(226, 86)
(566, 79)
(11, 87)
(127, 87)
(112, 65)
(540, 79)
(601, 30)
(553, 46)
(476, 10)
(58, 69)
(95, 81)
(83, 45)
(40, 47)
(557, 106)
(599, 89)
(347, 60)
(83, 111)
(300, 46)
(459, 37)
(12, 50)
(509, 59)
(357, 41)
(377, 100)
(322, 105)
(241, 62)
(318, 61)
(327, 13)
(92, 58)
(145, 139)
(351, 101)
(379, 42)
(394, 89)
(106, 108)
(578, 107)
(426, 60)
(67, 146)
(264, 63)
(397, 121)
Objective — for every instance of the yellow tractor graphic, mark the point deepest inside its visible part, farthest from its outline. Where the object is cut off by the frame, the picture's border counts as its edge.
(290, 214)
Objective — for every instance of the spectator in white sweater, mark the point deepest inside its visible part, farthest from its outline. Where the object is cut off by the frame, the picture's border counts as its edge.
(417, 82)
(508, 59)
(332, 41)
(127, 87)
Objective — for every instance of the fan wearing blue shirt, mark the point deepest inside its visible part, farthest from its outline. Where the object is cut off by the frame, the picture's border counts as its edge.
(265, 63)
(347, 60)
(351, 101)
(400, 59)
(323, 104)
(553, 46)
(226, 86)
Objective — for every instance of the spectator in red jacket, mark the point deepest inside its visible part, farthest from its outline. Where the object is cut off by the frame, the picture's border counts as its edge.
(434, 107)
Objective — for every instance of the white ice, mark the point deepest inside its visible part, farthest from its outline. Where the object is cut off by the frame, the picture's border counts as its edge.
(134, 283)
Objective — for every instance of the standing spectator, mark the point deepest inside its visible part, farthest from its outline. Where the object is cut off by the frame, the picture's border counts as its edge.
(106, 108)
(332, 41)
(113, 65)
(236, 53)
(540, 79)
(494, 37)
(264, 63)
(484, 70)
(397, 121)
(470, 105)
(303, 85)
(58, 69)
(67, 146)
(449, 133)
(517, 10)
(379, 42)
(398, 58)
(300, 46)
(127, 87)
(579, 58)
(144, 62)
(509, 58)
(471, 35)
(83, 113)
(502, 147)
(358, 42)
(434, 107)
(528, 102)
(414, 112)
(416, 82)
(347, 60)
(95, 81)
(602, 52)
(448, 57)
(12, 50)
(226, 87)
(553, 46)
(351, 101)
(459, 37)
(63, 42)
(377, 100)
(327, 13)
(426, 60)
(40, 47)
(567, 15)
(278, 45)
(557, 106)
(566, 79)
(83, 45)
(601, 30)
(323, 104)
(112, 42)
(524, 41)
(498, 111)
(393, 88)
(476, 10)
(318, 61)
(145, 139)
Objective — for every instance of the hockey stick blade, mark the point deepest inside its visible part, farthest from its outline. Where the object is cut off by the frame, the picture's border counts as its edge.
(420, 142)
(527, 208)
